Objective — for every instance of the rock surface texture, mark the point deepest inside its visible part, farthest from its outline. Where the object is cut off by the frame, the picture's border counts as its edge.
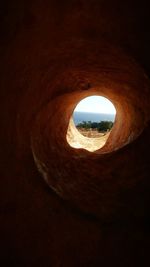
(62, 206)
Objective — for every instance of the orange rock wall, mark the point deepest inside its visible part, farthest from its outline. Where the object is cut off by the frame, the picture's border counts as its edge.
(61, 206)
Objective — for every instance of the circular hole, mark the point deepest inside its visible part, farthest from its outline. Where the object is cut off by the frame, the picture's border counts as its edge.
(91, 123)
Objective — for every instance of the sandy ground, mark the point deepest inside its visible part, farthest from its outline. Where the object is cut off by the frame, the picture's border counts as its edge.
(90, 140)
(92, 133)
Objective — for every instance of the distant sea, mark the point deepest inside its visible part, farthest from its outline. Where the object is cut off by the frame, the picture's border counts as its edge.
(94, 117)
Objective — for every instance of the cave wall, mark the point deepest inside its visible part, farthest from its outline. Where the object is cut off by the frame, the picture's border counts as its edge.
(61, 206)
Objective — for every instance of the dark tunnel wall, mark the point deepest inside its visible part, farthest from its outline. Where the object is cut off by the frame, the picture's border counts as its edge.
(61, 206)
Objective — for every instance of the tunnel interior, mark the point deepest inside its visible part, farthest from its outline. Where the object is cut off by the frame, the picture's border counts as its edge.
(62, 206)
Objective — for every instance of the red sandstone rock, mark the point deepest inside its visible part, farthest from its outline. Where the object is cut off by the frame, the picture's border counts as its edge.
(93, 209)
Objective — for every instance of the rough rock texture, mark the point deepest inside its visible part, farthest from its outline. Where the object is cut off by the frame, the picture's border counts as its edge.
(61, 206)
(77, 139)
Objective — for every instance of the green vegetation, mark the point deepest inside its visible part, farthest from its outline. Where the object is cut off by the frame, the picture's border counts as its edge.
(101, 126)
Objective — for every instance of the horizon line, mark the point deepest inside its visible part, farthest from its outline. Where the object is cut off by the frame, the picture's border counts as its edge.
(94, 112)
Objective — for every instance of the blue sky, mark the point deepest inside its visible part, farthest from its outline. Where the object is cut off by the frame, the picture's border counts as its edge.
(96, 104)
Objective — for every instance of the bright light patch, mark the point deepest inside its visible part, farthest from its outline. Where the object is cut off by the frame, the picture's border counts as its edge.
(96, 104)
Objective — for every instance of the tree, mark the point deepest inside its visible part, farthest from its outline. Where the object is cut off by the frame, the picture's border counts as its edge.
(94, 125)
(85, 125)
(104, 126)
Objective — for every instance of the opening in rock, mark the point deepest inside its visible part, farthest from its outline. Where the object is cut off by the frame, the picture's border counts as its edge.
(91, 123)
